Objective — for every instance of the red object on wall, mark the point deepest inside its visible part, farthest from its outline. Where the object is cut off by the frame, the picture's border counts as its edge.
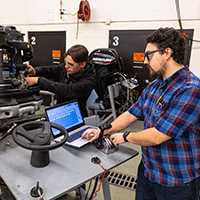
(84, 10)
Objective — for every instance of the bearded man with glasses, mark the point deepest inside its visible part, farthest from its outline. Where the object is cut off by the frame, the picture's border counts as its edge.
(170, 107)
(74, 79)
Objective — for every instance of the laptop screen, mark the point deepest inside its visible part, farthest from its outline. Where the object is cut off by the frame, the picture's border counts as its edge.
(67, 115)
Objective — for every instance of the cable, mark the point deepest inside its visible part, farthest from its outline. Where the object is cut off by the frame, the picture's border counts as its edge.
(80, 193)
(41, 195)
(179, 18)
(88, 190)
(135, 94)
(70, 12)
(104, 175)
(8, 132)
(180, 24)
(94, 188)
(13, 61)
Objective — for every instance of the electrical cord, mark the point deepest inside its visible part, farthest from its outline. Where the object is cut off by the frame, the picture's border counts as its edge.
(79, 190)
(41, 195)
(104, 175)
(8, 132)
(70, 12)
(180, 24)
(135, 94)
(13, 58)
(61, 10)
(13, 126)
(88, 190)
(94, 188)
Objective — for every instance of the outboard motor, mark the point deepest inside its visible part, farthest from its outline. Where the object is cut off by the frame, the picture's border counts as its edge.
(106, 61)
(16, 98)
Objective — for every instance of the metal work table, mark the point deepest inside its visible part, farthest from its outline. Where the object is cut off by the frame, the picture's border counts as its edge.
(68, 169)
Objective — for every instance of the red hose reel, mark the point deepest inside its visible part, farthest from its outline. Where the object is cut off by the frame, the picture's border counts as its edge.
(84, 11)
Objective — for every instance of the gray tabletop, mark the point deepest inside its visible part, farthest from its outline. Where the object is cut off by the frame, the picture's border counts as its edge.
(69, 168)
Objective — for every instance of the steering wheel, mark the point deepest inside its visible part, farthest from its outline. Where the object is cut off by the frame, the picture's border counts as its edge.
(39, 136)
(38, 140)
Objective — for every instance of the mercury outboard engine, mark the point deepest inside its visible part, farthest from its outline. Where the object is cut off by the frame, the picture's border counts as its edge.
(106, 61)
(16, 98)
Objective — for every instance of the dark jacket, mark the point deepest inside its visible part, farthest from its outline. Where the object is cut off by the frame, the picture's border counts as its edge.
(68, 86)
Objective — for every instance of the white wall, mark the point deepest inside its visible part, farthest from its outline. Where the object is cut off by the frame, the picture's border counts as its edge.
(44, 15)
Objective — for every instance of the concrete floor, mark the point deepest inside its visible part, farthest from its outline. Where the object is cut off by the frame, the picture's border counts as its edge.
(129, 167)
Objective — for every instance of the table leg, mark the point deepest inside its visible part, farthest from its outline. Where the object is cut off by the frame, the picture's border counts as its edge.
(106, 189)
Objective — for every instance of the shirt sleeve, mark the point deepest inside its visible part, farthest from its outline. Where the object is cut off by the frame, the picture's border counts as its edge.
(81, 88)
(183, 113)
(50, 72)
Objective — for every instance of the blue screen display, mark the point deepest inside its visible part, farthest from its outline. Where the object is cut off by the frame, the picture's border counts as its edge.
(67, 115)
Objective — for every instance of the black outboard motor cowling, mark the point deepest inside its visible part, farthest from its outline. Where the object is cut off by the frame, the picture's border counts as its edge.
(107, 61)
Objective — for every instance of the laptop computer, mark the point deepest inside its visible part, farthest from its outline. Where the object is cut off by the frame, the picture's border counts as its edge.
(69, 116)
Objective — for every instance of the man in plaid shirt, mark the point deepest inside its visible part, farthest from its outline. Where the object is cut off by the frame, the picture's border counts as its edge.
(170, 106)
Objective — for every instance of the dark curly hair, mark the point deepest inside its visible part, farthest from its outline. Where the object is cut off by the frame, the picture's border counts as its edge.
(79, 53)
(169, 37)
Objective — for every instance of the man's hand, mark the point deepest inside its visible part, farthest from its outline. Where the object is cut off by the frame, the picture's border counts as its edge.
(117, 138)
(31, 70)
(88, 132)
(31, 80)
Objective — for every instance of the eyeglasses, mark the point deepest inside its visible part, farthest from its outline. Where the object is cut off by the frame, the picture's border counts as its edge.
(149, 54)
(70, 64)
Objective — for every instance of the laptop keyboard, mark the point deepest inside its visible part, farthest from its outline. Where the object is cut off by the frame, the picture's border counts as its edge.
(76, 135)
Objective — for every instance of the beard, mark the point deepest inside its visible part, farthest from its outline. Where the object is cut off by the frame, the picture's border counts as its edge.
(154, 74)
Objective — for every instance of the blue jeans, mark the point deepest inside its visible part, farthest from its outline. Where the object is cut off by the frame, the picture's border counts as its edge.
(147, 190)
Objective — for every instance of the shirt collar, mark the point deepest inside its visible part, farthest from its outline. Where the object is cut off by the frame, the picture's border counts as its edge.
(172, 77)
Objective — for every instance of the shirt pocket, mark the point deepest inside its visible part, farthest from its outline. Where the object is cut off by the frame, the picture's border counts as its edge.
(161, 108)
(158, 110)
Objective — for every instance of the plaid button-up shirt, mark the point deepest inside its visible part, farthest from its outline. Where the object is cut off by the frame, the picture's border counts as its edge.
(172, 106)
